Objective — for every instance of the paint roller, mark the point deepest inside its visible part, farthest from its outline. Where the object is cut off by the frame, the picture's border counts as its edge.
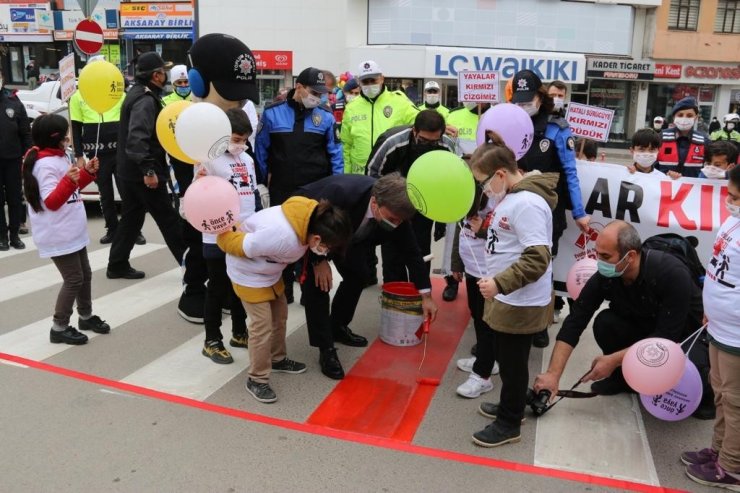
(425, 334)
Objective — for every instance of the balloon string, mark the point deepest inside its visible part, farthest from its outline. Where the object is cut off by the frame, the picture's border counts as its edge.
(97, 140)
(470, 247)
(695, 335)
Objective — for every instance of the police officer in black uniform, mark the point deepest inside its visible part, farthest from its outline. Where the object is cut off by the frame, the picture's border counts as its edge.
(15, 140)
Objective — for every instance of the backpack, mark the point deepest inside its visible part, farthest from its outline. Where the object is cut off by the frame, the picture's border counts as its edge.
(682, 248)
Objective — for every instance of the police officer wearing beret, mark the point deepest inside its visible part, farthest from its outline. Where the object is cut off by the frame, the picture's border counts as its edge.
(552, 150)
(296, 144)
(15, 139)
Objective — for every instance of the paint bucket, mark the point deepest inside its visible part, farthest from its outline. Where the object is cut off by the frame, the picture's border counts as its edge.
(401, 314)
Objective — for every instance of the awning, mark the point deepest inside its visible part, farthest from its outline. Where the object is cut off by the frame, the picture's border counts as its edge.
(156, 34)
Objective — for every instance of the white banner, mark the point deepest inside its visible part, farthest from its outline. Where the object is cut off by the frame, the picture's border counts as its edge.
(651, 203)
(477, 87)
(67, 76)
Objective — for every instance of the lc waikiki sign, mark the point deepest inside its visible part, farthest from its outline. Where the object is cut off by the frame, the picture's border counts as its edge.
(568, 67)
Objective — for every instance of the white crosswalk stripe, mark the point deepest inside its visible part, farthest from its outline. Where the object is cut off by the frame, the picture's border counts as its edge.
(47, 275)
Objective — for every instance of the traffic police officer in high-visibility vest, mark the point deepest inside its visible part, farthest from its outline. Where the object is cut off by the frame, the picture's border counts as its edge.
(465, 119)
(432, 98)
(94, 134)
(368, 116)
(729, 132)
(180, 85)
(682, 151)
(552, 150)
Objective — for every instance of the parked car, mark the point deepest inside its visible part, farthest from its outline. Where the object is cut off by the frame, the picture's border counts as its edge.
(46, 98)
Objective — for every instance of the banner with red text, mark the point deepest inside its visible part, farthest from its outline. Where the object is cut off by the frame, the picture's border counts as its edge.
(651, 203)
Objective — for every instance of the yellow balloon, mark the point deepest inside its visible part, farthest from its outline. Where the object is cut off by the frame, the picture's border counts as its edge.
(166, 130)
(101, 85)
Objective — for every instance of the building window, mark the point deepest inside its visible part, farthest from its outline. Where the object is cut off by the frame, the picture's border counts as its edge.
(728, 17)
(683, 15)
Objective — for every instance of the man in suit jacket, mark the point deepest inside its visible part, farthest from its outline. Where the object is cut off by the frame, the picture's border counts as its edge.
(380, 211)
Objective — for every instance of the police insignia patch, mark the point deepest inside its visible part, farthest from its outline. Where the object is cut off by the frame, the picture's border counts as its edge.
(387, 111)
(571, 143)
(544, 145)
(316, 119)
(10, 112)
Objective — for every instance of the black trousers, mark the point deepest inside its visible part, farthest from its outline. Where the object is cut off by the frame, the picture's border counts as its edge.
(106, 175)
(614, 333)
(320, 320)
(512, 353)
(484, 338)
(218, 294)
(11, 193)
(137, 200)
(194, 261)
(394, 267)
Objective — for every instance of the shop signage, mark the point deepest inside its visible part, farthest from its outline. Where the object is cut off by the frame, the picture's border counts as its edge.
(610, 68)
(27, 19)
(66, 20)
(273, 60)
(552, 66)
(141, 34)
(590, 122)
(478, 87)
(668, 70)
(709, 72)
(156, 15)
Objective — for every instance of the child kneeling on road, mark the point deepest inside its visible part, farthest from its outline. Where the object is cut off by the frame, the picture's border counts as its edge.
(256, 255)
(52, 184)
(518, 288)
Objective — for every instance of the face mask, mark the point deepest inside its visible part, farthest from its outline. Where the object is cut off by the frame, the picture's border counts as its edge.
(684, 124)
(350, 97)
(495, 197)
(733, 209)
(610, 270)
(431, 99)
(559, 103)
(645, 159)
(321, 252)
(325, 99)
(470, 106)
(236, 149)
(730, 126)
(713, 172)
(658, 126)
(371, 91)
(530, 108)
(182, 91)
(310, 101)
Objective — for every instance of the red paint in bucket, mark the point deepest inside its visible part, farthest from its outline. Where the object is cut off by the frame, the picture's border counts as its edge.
(401, 314)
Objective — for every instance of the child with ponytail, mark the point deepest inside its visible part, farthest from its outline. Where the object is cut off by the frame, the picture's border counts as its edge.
(52, 185)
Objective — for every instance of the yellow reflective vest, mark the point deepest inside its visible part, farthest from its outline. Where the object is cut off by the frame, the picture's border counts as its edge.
(79, 111)
(173, 97)
(442, 110)
(466, 123)
(364, 120)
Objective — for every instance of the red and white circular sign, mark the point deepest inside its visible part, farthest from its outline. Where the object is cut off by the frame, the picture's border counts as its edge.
(88, 37)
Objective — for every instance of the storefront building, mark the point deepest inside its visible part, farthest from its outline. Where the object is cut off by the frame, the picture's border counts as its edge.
(714, 85)
(274, 70)
(25, 35)
(164, 27)
(65, 22)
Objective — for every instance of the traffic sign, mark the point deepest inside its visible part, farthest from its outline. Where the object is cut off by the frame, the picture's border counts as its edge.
(88, 37)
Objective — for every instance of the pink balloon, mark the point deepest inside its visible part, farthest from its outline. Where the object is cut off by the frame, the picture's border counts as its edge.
(211, 204)
(679, 402)
(653, 365)
(579, 274)
(512, 123)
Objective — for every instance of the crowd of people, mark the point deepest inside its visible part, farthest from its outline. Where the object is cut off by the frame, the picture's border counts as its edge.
(321, 179)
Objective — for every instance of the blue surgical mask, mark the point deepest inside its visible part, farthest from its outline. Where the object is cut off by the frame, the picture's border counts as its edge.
(610, 270)
(182, 91)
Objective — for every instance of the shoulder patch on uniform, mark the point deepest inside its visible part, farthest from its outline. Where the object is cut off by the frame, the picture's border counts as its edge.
(316, 119)
(544, 145)
(571, 143)
(10, 112)
(559, 121)
(388, 111)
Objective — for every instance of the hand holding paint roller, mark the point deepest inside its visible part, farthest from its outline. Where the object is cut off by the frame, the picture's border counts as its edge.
(425, 335)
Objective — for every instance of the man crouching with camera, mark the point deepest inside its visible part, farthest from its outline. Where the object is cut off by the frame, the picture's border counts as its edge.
(650, 293)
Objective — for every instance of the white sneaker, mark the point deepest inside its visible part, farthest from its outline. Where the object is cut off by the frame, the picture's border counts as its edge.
(556, 317)
(466, 365)
(474, 386)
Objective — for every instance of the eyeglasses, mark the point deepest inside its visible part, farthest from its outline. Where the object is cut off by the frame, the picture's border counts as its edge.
(423, 140)
(485, 182)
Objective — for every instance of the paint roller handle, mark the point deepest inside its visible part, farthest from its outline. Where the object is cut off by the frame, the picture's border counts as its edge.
(425, 325)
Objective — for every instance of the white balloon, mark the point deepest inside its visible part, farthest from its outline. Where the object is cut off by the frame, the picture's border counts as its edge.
(203, 131)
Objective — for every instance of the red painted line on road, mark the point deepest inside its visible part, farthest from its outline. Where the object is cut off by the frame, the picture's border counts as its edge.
(373, 441)
(380, 396)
